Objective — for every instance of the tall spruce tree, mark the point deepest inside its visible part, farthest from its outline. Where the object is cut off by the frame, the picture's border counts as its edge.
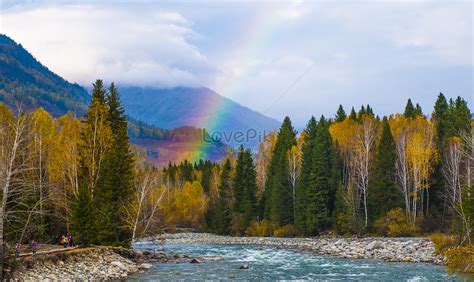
(96, 140)
(409, 109)
(238, 183)
(383, 193)
(245, 187)
(223, 215)
(353, 115)
(362, 112)
(418, 110)
(340, 114)
(369, 111)
(305, 175)
(119, 172)
(278, 196)
(322, 184)
(249, 199)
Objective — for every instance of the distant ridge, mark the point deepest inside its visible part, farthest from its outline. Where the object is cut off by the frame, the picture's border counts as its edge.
(184, 106)
(23, 79)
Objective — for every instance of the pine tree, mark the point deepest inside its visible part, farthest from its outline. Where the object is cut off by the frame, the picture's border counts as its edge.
(305, 175)
(119, 174)
(245, 187)
(418, 110)
(249, 199)
(278, 198)
(353, 115)
(362, 112)
(441, 109)
(383, 194)
(369, 111)
(322, 184)
(409, 110)
(84, 217)
(340, 114)
(238, 184)
(96, 140)
(223, 216)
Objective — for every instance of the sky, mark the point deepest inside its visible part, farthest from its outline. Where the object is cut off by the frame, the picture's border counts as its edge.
(295, 58)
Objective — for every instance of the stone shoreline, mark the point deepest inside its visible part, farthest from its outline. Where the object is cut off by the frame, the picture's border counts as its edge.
(99, 263)
(95, 263)
(388, 249)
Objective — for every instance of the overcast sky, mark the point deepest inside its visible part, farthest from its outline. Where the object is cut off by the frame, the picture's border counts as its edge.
(296, 58)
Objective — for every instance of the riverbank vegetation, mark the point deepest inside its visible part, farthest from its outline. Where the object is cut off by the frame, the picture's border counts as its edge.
(400, 175)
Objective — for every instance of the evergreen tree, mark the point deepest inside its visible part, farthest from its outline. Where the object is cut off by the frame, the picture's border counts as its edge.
(362, 112)
(245, 187)
(238, 184)
(418, 110)
(206, 168)
(249, 199)
(278, 196)
(409, 110)
(461, 117)
(369, 111)
(322, 183)
(353, 115)
(305, 175)
(383, 194)
(223, 216)
(84, 217)
(118, 174)
(340, 114)
(96, 140)
(441, 109)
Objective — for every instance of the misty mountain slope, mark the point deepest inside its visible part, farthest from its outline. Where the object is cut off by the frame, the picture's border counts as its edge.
(25, 80)
(198, 107)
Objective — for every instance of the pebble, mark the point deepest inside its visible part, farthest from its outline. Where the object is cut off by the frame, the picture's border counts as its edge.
(383, 248)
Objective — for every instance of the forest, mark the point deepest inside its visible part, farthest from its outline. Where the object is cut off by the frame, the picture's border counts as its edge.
(352, 174)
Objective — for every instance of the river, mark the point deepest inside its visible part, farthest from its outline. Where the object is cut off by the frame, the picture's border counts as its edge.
(270, 263)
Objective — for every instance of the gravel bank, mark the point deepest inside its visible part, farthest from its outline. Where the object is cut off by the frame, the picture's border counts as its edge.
(387, 249)
(97, 263)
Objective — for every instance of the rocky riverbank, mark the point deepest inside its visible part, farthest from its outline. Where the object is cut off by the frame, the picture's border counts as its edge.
(95, 263)
(387, 249)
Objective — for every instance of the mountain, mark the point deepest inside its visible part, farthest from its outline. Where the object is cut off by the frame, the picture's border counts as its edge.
(23, 79)
(197, 107)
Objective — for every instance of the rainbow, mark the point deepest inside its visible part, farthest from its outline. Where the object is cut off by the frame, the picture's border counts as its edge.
(252, 42)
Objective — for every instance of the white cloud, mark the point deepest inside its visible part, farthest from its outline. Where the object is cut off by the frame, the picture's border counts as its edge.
(84, 42)
(359, 52)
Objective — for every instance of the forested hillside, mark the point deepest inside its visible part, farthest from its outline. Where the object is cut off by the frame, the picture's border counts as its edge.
(175, 145)
(27, 83)
(25, 80)
(197, 107)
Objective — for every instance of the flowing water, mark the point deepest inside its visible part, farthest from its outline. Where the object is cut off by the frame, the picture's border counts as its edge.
(269, 263)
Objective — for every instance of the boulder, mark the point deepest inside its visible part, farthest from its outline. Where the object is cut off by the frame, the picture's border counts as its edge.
(119, 265)
(194, 261)
(145, 266)
(373, 245)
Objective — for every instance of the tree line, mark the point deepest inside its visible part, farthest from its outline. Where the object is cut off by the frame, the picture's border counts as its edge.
(354, 173)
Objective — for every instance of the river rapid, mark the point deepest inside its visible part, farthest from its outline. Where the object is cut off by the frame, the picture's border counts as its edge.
(272, 263)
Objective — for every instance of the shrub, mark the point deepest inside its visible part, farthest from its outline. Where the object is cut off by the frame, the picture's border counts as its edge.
(238, 224)
(285, 231)
(395, 224)
(443, 242)
(460, 259)
(262, 228)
